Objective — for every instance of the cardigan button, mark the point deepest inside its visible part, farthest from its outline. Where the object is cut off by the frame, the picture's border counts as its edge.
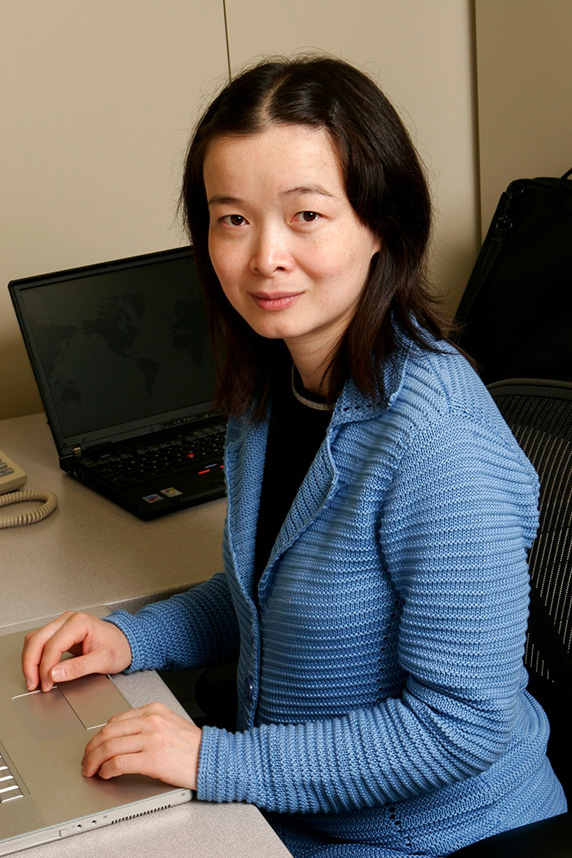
(250, 690)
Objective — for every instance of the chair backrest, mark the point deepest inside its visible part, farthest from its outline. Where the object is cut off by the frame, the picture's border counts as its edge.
(515, 315)
(539, 413)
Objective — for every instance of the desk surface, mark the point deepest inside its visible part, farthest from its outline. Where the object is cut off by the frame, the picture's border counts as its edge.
(90, 553)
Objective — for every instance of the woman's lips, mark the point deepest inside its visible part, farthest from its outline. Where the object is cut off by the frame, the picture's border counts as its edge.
(276, 301)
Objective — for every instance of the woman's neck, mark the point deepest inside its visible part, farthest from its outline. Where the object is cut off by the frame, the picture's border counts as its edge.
(313, 382)
(311, 368)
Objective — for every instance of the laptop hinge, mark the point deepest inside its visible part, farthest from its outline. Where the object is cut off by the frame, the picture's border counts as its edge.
(77, 452)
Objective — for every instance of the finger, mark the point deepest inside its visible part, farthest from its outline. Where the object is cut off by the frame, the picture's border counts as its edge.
(130, 731)
(70, 635)
(150, 741)
(112, 756)
(145, 711)
(129, 723)
(116, 727)
(73, 668)
(34, 647)
(79, 634)
(126, 764)
(101, 648)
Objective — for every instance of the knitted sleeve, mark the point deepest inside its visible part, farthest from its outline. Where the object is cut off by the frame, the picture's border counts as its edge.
(456, 525)
(190, 629)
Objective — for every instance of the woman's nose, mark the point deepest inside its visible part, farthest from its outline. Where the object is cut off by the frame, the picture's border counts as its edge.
(270, 253)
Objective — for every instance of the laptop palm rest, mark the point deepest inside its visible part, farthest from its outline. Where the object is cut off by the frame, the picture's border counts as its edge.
(71, 707)
(43, 794)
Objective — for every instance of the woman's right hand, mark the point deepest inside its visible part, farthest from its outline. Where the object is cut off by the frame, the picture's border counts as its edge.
(96, 647)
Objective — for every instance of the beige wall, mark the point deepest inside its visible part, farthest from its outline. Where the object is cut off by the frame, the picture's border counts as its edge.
(524, 66)
(97, 101)
(99, 97)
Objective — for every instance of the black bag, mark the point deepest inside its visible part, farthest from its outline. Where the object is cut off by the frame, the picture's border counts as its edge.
(516, 312)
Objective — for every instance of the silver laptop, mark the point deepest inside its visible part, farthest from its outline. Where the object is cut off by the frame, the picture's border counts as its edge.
(43, 795)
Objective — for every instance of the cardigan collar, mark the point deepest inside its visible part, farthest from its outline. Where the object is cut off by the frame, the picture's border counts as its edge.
(353, 406)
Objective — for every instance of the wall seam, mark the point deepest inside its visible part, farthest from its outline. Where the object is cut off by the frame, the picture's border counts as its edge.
(226, 38)
(476, 116)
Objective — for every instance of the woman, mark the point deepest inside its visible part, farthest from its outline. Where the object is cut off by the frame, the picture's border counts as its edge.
(379, 510)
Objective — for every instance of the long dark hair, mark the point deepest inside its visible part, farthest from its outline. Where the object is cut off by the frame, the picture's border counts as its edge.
(386, 186)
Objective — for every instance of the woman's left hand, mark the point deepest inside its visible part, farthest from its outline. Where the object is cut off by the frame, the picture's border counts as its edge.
(150, 741)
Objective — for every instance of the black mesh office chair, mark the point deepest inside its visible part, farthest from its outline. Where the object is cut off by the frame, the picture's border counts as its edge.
(540, 415)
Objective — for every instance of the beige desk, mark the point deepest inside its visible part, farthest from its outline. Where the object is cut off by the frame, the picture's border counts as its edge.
(91, 553)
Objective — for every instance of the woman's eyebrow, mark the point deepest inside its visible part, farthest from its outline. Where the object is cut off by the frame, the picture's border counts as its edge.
(223, 199)
(299, 190)
(302, 190)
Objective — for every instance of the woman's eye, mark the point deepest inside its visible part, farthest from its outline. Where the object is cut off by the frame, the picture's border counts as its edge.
(234, 220)
(306, 217)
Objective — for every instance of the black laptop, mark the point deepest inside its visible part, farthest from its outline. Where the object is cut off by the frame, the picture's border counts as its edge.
(122, 358)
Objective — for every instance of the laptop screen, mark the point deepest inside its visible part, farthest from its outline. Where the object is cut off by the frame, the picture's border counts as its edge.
(118, 347)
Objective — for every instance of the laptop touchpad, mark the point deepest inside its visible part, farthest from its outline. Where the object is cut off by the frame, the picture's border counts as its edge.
(71, 707)
(47, 715)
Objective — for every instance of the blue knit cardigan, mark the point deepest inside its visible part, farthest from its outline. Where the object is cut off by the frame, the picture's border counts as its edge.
(382, 702)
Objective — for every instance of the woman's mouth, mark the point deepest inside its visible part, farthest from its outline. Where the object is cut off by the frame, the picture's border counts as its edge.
(276, 300)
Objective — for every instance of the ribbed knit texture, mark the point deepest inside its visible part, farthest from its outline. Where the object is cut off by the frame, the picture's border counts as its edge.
(381, 687)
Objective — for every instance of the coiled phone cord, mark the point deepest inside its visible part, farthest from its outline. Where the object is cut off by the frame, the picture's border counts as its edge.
(50, 503)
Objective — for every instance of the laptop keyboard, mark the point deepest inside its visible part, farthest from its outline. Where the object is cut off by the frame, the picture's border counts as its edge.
(9, 788)
(199, 449)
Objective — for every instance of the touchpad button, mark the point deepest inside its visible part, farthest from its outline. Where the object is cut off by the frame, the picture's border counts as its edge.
(94, 699)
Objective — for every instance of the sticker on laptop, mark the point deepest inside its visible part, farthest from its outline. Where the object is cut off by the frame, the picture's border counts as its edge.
(171, 492)
(152, 498)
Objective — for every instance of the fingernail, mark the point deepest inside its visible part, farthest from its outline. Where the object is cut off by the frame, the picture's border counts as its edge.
(58, 674)
(30, 685)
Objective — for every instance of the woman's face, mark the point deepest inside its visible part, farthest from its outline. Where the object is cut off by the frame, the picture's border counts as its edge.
(286, 245)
